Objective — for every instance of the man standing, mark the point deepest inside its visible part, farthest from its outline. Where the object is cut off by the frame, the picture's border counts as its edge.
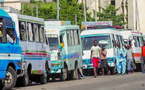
(103, 55)
(121, 59)
(143, 57)
(95, 57)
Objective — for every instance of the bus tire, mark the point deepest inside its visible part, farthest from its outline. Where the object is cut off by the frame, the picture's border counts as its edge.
(43, 79)
(74, 73)
(25, 79)
(1, 84)
(63, 75)
(12, 77)
(112, 71)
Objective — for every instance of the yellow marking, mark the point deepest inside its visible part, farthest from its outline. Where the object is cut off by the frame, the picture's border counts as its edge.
(54, 63)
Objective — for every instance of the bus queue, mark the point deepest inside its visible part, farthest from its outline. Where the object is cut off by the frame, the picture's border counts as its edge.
(34, 50)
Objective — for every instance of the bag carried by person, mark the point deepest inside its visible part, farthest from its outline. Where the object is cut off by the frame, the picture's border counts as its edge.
(133, 65)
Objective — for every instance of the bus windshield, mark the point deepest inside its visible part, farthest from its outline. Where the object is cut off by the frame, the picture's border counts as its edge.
(87, 42)
(53, 43)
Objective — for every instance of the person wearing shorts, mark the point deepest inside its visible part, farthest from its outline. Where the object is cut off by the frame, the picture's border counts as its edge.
(104, 64)
(95, 50)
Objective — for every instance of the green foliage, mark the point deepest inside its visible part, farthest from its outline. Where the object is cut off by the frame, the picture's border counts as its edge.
(32, 1)
(110, 14)
(45, 10)
(68, 9)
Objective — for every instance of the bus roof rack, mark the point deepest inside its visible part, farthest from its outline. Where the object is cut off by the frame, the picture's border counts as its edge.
(103, 26)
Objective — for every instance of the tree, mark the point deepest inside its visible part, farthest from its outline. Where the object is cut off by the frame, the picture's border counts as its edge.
(68, 9)
(110, 14)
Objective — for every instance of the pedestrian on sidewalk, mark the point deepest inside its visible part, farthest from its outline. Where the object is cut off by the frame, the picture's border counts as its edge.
(103, 56)
(95, 57)
(143, 57)
(121, 59)
(130, 59)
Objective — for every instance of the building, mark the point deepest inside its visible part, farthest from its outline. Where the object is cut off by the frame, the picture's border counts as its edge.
(36, 0)
(11, 3)
(16, 3)
(132, 9)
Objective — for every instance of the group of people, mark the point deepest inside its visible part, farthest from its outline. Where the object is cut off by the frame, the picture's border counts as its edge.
(124, 59)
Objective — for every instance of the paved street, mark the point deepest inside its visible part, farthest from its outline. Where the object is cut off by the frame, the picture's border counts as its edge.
(134, 81)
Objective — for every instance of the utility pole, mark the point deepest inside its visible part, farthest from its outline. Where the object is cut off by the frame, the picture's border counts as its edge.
(37, 11)
(76, 18)
(95, 11)
(58, 8)
(85, 14)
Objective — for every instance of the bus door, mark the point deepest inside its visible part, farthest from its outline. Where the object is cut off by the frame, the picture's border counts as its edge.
(9, 44)
(12, 40)
(62, 45)
(136, 48)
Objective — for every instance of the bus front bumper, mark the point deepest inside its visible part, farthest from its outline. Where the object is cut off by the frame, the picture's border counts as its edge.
(56, 67)
(88, 65)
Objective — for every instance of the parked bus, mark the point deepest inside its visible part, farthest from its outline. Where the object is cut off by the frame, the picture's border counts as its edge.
(135, 39)
(10, 53)
(111, 35)
(35, 48)
(66, 50)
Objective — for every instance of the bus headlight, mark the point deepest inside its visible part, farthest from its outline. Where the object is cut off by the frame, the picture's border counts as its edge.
(19, 64)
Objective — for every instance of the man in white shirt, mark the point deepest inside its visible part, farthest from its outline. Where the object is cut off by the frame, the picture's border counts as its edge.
(95, 56)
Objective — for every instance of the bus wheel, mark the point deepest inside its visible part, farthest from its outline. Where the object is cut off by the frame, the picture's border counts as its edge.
(112, 70)
(10, 79)
(43, 78)
(1, 84)
(74, 74)
(25, 79)
(63, 75)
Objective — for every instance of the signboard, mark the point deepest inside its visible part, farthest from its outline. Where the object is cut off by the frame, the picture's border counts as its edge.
(57, 23)
(102, 23)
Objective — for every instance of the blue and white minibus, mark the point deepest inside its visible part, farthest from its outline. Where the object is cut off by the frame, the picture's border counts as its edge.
(111, 35)
(66, 50)
(10, 52)
(35, 49)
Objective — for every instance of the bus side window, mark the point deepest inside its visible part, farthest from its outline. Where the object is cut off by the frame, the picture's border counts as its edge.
(31, 36)
(72, 38)
(121, 40)
(22, 30)
(113, 40)
(10, 32)
(46, 40)
(11, 37)
(135, 41)
(118, 40)
(35, 28)
(68, 38)
(61, 39)
(2, 33)
(139, 41)
(78, 35)
(41, 32)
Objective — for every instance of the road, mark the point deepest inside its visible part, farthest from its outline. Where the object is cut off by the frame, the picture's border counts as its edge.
(134, 81)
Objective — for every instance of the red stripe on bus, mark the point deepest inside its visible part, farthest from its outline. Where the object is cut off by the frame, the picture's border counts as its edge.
(36, 54)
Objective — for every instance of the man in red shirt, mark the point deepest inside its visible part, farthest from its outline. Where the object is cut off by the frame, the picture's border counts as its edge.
(143, 57)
